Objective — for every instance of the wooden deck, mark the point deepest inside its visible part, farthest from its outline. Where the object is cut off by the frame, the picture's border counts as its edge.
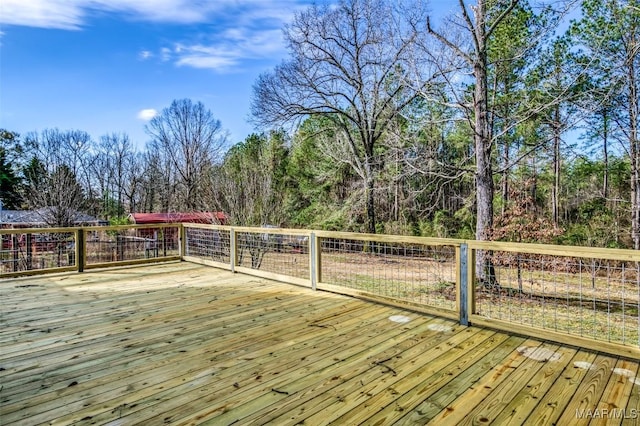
(180, 344)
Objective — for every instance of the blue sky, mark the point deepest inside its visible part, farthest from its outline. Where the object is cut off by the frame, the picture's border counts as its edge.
(107, 66)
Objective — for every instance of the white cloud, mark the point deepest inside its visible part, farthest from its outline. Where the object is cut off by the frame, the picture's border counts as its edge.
(218, 57)
(181, 11)
(147, 114)
(60, 14)
(241, 30)
(257, 43)
(227, 49)
(207, 61)
(145, 54)
(71, 14)
(165, 54)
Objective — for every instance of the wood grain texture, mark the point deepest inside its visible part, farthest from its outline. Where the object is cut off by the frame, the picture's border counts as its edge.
(181, 343)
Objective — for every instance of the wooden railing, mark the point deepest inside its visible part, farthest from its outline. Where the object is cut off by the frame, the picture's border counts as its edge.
(48, 250)
(587, 297)
(32, 251)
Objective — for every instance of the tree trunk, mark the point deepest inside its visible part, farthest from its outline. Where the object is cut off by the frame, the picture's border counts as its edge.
(483, 145)
(369, 181)
(556, 167)
(370, 201)
(635, 156)
(605, 159)
(505, 176)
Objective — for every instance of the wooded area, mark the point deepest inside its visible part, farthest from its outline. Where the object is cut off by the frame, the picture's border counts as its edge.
(510, 120)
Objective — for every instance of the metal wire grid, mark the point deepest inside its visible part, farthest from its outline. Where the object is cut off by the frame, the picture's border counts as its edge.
(116, 245)
(594, 298)
(417, 273)
(37, 250)
(208, 244)
(285, 254)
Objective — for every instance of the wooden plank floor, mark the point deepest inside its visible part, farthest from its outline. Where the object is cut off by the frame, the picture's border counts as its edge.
(185, 344)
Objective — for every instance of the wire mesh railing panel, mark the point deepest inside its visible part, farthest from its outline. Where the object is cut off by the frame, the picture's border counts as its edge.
(36, 250)
(117, 244)
(208, 244)
(279, 253)
(593, 298)
(416, 273)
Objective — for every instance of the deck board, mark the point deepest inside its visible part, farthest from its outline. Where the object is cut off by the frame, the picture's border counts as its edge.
(185, 344)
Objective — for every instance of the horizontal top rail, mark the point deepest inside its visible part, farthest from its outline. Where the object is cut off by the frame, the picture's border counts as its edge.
(289, 231)
(528, 248)
(127, 227)
(14, 231)
(384, 238)
(557, 250)
(205, 226)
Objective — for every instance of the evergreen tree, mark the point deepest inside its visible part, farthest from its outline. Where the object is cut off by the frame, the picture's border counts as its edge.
(609, 34)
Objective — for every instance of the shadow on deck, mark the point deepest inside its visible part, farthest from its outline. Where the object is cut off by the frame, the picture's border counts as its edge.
(180, 343)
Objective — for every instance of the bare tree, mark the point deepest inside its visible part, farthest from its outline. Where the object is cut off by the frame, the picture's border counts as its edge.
(114, 171)
(432, 149)
(133, 179)
(53, 187)
(187, 140)
(347, 63)
(158, 183)
(248, 186)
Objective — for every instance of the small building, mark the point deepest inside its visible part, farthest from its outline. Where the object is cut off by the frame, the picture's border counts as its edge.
(152, 234)
(194, 217)
(41, 218)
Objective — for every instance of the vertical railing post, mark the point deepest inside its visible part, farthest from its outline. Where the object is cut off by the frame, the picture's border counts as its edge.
(463, 274)
(14, 249)
(233, 249)
(317, 259)
(29, 249)
(164, 241)
(471, 280)
(182, 241)
(312, 261)
(81, 250)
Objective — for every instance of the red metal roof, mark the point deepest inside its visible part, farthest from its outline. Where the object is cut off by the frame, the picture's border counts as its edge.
(194, 217)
